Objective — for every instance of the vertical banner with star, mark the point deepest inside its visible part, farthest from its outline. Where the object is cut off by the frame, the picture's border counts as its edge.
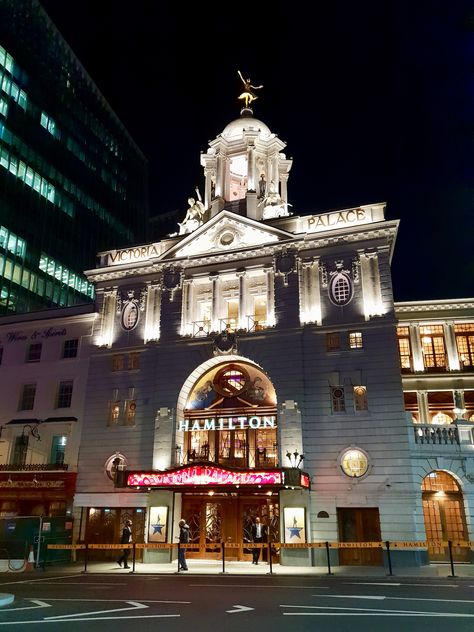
(157, 524)
(295, 530)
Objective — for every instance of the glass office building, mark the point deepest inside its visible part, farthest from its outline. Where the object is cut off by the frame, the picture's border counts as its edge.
(72, 180)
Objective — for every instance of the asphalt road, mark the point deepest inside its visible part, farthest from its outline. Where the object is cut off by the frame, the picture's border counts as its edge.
(198, 603)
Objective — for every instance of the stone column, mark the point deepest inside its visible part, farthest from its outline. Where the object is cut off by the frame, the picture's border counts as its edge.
(415, 344)
(423, 408)
(215, 302)
(187, 308)
(109, 307)
(153, 312)
(251, 168)
(371, 290)
(241, 275)
(270, 274)
(451, 348)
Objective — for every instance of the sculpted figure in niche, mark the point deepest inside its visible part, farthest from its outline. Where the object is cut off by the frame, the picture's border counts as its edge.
(194, 215)
(247, 95)
(273, 204)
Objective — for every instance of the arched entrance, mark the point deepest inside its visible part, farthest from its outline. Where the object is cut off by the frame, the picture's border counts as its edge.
(228, 419)
(443, 510)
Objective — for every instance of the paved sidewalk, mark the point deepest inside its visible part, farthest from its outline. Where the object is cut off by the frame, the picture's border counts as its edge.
(214, 567)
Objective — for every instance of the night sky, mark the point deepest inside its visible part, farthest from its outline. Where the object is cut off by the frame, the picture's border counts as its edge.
(374, 101)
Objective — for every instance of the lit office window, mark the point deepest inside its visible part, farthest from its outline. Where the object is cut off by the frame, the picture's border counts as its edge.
(48, 123)
(355, 340)
(3, 107)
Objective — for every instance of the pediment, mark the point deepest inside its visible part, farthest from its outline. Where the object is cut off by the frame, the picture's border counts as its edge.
(226, 232)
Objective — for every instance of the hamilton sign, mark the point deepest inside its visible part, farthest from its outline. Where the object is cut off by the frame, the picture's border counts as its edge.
(241, 422)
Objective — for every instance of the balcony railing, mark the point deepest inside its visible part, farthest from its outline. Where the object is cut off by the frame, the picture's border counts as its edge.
(244, 458)
(436, 435)
(32, 467)
(203, 328)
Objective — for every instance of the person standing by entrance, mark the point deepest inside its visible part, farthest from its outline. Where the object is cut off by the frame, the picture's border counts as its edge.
(125, 539)
(183, 539)
(259, 534)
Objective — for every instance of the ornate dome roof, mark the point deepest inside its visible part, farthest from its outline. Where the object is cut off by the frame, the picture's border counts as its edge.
(234, 130)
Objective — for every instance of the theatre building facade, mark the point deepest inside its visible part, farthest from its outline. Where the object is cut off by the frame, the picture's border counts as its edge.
(249, 365)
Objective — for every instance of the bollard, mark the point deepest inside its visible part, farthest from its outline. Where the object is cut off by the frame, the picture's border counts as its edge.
(270, 556)
(450, 547)
(133, 557)
(223, 556)
(179, 548)
(86, 555)
(389, 559)
(328, 558)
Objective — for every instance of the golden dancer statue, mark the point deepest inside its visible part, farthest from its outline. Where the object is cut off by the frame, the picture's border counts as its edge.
(247, 95)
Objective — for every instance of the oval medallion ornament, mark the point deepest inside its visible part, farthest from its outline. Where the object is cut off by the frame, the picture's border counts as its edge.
(341, 289)
(130, 315)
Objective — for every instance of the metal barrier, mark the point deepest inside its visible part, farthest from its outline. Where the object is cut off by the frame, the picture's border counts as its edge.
(389, 546)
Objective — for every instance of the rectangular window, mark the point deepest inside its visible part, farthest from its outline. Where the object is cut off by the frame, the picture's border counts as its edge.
(465, 344)
(118, 362)
(333, 341)
(27, 400)
(432, 346)
(20, 450)
(65, 394)
(130, 410)
(70, 348)
(58, 449)
(114, 412)
(360, 398)
(404, 348)
(34, 352)
(355, 340)
(338, 399)
(133, 361)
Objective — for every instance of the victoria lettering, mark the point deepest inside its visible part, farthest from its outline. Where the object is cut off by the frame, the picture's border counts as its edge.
(133, 254)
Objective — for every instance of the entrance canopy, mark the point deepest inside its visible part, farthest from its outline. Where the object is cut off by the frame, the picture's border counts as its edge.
(208, 476)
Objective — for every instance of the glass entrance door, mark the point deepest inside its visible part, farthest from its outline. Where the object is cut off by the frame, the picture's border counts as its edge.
(218, 519)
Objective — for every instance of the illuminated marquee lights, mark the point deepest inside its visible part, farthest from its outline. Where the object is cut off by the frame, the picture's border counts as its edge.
(205, 476)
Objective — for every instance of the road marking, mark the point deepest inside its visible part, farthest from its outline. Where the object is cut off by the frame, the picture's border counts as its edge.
(136, 605)
(251, 586)
(30, 581)
(414, 613)
(113, 600)
(40, 604)
(85, 585)
(400, 584)
(49, 621)
(394, 598)
(240, 609)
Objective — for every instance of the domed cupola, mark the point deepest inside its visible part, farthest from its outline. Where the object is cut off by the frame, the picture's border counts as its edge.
(244, 169)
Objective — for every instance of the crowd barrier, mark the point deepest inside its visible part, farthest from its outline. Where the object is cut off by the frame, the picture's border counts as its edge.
(387, 545)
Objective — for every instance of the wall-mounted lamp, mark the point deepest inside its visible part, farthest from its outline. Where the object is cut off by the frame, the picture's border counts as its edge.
(295, 458)
(31, 430)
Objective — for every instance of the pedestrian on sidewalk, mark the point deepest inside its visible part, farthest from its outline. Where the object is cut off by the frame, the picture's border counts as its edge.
(259, 534)
(125, 539)
(183, 539)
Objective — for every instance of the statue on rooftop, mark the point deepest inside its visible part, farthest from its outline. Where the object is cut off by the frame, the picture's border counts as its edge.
(247, 95)
(194, 215)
